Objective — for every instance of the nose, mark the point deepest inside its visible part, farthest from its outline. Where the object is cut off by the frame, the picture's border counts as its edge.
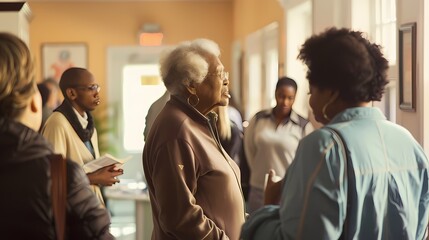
(286, 102)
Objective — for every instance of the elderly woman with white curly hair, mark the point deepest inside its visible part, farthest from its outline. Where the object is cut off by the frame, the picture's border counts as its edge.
(194, 186)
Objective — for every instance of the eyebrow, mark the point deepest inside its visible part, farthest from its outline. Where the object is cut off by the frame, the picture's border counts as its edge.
(220, 68)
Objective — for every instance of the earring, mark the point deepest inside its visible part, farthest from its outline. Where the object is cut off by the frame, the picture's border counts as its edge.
(324, 111)
(192, 102)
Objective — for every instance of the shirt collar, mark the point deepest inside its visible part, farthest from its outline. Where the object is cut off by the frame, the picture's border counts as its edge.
(83, 120)
(293, 116)
(358, 113)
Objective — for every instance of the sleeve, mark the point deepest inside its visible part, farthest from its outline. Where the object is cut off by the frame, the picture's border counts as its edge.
(175, 175)
(55, 133)
(87, 218)
(424, 196)
(314, 196)
(264, 223)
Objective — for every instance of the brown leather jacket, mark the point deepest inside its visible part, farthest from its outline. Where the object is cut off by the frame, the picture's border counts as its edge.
(194, 186)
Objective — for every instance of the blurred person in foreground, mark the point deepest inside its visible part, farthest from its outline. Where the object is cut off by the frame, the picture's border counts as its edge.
(358, 177)
(71, 128)
(194, 186)
(25, 205)
(271, 140)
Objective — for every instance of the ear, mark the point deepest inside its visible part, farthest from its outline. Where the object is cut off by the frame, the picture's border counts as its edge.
(34, 104)
(192, 89)
(335, 94)
(71, 93)
(332, 96)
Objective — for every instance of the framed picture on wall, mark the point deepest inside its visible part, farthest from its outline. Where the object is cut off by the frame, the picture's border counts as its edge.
(57, 57)
(407, 67)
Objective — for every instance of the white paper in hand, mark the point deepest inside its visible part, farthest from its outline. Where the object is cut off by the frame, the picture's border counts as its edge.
(104, 161)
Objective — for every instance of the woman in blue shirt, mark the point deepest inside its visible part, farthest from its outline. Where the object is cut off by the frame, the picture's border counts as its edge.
(360, 176)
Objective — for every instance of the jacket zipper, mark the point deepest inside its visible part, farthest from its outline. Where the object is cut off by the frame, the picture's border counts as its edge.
(215, 135)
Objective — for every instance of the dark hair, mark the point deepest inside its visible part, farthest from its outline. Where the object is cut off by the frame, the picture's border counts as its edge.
(285, 81)
(344, 60)
(70, 78)
(45, 92)
(51, 81)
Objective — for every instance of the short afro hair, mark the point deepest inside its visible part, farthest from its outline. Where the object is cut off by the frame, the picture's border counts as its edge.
(344, 60)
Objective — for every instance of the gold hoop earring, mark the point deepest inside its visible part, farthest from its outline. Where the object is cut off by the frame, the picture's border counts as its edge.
(324, 111)
(194, 102)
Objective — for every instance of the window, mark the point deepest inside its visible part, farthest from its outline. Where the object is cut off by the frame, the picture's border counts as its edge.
(142, 86)
(262, 69)
(384, 30)
(385, 27)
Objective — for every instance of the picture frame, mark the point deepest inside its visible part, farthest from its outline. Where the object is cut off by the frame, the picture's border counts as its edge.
(407, 67)
(57, 57)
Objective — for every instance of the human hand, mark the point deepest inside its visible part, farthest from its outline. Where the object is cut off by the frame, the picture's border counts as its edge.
(106, 176)
(273, 189)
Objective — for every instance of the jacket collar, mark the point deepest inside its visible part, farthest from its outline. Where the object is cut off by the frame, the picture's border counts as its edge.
(293, 116)
(189, 110)
(358, 113)
(67, 110)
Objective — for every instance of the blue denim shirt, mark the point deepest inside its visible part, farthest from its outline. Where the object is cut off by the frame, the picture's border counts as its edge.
(375, 166)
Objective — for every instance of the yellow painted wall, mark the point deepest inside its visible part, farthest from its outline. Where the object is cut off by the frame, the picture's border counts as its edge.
(252, 15)
(104, 24)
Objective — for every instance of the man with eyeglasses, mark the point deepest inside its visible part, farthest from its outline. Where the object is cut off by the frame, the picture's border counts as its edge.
(70, 128)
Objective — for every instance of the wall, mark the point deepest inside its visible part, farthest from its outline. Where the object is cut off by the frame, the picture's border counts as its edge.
(413, 11)
(104, 24)
(14, 18)
(252, 15)
(425, 66)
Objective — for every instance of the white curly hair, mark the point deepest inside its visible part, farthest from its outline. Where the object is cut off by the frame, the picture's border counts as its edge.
(187, 63)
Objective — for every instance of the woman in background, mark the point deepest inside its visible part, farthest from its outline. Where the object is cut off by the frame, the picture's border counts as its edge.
(271, 139)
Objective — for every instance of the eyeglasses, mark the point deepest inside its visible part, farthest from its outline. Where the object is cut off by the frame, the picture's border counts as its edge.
(223, 75)
(92, 88)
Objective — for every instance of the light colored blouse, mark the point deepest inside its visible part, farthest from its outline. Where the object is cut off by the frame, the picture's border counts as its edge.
(271, 146)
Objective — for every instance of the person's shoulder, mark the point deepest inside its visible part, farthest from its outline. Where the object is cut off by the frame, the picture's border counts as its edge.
(301, 121)
(266, 113)
(400, 134)
(54, 123)
(321, 136)
(55, 118)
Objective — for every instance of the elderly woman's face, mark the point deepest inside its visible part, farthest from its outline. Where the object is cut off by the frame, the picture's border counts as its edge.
(213, 91)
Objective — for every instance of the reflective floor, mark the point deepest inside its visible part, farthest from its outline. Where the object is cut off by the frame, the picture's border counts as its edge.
(123, 225)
